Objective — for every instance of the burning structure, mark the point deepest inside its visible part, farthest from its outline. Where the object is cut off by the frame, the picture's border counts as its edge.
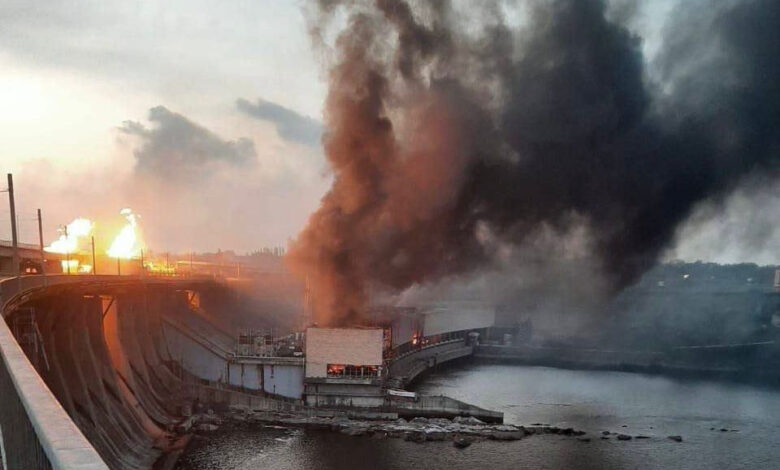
(344, 367)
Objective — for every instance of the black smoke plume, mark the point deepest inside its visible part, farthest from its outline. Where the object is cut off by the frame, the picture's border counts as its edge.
(448, 128)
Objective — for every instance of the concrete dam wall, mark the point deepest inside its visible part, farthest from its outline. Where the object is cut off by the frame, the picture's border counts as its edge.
(103, 371)
(125, 360)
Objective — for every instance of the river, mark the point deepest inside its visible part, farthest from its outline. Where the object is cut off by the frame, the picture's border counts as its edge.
(593, 401)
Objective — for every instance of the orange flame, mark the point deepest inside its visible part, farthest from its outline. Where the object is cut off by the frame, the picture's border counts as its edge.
(127, 244)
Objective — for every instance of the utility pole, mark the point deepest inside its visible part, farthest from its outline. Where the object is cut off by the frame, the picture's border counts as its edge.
(14, 239)
(118, 267)
(40, 245)
(94, 259)
(67, 251)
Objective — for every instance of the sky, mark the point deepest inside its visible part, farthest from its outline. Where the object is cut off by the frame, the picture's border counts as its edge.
(205, 117)
(81, 79)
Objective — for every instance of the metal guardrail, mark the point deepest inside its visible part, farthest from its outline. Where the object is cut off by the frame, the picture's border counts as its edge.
(35, 431)
(423, 342)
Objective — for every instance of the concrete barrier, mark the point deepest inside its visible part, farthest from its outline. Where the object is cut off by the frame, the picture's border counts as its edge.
(445, 407)
(408, 366)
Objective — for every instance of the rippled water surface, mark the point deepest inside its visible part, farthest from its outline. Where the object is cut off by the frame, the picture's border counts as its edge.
(589, 400)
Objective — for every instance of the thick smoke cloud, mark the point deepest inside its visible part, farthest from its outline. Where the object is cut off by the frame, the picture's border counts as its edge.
(178, 149)
(450, 137)
(290, 125)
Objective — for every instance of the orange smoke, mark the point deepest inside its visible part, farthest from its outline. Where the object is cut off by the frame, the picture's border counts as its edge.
(386, 221)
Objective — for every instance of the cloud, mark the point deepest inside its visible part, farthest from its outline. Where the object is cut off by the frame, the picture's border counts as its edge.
(203, 187)
(177, 148)
(290, 125)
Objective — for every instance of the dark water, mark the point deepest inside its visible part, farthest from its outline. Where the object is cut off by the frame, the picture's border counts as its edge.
(589, 400)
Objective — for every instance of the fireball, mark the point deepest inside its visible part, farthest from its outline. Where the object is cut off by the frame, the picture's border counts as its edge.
(68, 242)
(127, 244)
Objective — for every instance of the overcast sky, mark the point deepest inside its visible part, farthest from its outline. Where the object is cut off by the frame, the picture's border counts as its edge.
(77, 75)
(220, 102)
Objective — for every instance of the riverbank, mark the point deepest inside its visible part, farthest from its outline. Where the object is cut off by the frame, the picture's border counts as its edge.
(721, 425)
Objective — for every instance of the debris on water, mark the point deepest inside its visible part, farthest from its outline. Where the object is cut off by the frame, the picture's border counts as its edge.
(676, 438)
(624, 437)
(642, 436)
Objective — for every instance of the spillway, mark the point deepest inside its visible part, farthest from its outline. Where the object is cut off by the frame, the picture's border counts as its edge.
(128, 360)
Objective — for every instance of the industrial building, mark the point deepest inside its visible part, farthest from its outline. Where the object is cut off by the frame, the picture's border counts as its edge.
(344, 367)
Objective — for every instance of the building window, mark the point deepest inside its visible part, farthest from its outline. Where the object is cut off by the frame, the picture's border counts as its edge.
(352, 371)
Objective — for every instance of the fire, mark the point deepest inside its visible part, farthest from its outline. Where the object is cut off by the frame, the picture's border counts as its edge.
(74, 266)
(127, 244)
(68, 242)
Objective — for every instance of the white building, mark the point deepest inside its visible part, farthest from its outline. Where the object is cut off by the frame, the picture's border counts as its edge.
(344, 367)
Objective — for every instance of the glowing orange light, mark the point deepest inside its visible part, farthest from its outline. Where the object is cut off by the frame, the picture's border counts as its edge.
(70, 239)
(127, 244)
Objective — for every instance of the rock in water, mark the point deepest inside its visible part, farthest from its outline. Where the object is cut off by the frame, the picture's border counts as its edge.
(676, 438)
(461, 442)
(466, 420)
(506, 435)
(624, 437)
(353, 431)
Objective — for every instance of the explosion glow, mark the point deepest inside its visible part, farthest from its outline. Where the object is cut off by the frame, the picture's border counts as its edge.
(127, 244)
(74, 266)
(68, 242)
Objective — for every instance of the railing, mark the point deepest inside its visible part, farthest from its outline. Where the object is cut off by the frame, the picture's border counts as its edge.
(410, 359)
(427, 341)
(35, 431)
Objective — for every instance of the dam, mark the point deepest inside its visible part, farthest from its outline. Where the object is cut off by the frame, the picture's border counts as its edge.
(104, 371)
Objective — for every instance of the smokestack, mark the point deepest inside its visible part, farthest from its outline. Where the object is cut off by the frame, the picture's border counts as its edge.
(450, 145)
